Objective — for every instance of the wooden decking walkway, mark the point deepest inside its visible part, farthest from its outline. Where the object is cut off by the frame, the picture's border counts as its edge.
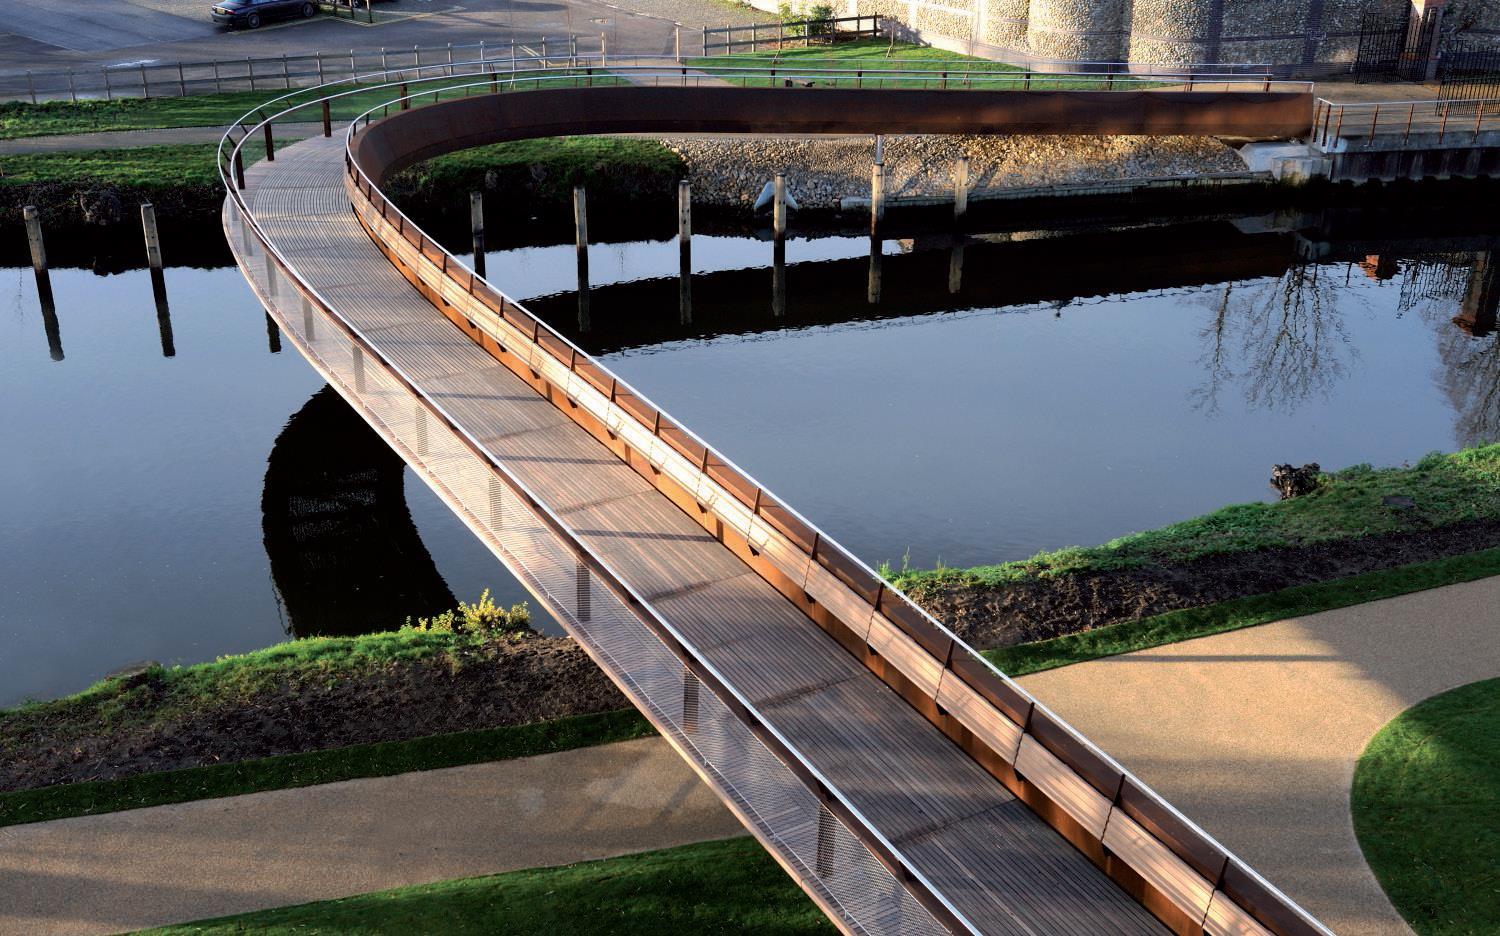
(984, 850)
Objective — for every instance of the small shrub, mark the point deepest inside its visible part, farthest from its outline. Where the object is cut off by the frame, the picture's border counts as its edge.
(818, 16)
(481, 618)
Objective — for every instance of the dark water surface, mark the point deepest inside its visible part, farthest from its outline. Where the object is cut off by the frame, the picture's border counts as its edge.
(1072, 389)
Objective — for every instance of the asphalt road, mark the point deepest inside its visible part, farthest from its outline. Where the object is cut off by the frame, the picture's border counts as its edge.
(82, 34)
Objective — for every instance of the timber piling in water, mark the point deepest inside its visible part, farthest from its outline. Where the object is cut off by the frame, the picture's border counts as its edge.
(476, 229)
(778, 249)
(158, 279)
(38, 248)
(581, 247)
(960, 189)
(684, 252)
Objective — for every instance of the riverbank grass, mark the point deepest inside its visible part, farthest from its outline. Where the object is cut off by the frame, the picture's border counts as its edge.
(159, 694)
(1177, 626)
(1361, 501)
(546, 170)
(1425, 796)
(730, 886)
(383, 759)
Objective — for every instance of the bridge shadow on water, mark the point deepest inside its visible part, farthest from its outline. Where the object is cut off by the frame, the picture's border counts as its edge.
(345, 556)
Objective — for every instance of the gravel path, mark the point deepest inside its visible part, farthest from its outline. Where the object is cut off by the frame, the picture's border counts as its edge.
(169, 864)
(820, 172)
(1255, 733)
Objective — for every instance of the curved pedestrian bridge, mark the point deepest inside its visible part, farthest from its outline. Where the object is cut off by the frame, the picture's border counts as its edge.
(904, 783)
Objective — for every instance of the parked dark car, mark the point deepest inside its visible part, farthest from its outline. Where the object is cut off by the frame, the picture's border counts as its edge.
(251, 13)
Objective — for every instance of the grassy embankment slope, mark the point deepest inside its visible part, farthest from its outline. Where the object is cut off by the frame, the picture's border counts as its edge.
(1448, 490)
(716, 887)
(158, 701)
(1425, 797)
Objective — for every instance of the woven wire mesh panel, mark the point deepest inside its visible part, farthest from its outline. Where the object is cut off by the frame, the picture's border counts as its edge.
(816, 846)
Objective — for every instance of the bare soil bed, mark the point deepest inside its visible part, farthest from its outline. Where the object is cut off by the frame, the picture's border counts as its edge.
(505, 682)
(1046, 607)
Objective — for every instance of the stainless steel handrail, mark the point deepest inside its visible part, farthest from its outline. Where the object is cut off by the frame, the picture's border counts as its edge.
(560, 528)
(823, 537)
(867, 832)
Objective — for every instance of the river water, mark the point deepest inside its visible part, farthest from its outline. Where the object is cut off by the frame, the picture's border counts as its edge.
(1045, 389)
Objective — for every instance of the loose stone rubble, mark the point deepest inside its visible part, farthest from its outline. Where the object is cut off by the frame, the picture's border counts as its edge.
(820, 172)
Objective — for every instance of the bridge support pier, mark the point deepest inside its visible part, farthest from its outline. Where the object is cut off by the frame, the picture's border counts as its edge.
(960, 189)
(689, 700)
(581, 248)
(778, 247)
(43, 281)
(877, 215)
(585, 604)
(38, 248)
(309, 329)
(684, 252)
(476, 228)
(956, 268)
(158, 279)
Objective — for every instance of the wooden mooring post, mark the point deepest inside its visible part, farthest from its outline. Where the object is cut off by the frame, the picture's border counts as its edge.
(877, 215)
(684, 252)
(158, 279)
(581, 248)
(43, 281)
(960, 189)
(778, 246)
(476, 228)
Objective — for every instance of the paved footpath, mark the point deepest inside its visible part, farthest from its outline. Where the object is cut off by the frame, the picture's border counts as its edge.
(170, 864)
(1255, 733)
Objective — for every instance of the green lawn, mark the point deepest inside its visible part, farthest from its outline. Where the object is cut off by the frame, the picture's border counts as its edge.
(545, 170)
(878, 55)
(163, 693)
(731, 886)
(1426, 798)
(19, 119)
(1447, 489)
(179, 166)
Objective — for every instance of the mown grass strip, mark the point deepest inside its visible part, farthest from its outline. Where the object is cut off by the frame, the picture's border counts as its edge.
(1444, 489)
(730, 886)
(381, 759)
(1425, 796)
(1176, 626)
(50, 118)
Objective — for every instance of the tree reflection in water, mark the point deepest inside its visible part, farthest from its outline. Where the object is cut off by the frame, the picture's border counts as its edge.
(1283, 340)
(1468, 347)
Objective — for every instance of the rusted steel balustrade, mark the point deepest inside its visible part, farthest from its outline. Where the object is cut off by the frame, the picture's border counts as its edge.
(814, 831)
(1177, 871)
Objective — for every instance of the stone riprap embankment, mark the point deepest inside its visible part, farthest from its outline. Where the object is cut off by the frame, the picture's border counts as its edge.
(821, 172)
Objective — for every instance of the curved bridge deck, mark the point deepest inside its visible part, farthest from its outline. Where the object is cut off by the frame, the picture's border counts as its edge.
(999, 864)
(906, 785)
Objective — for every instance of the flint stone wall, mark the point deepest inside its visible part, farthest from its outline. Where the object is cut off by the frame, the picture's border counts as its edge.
(1295, 35)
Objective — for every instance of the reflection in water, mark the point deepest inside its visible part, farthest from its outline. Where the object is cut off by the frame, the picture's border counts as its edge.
(345, 556)
(1002, 428)
(50, 324)
(163, 313)
(1289, 335)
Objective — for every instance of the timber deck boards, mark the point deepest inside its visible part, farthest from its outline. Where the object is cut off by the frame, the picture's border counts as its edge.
(993, 858)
